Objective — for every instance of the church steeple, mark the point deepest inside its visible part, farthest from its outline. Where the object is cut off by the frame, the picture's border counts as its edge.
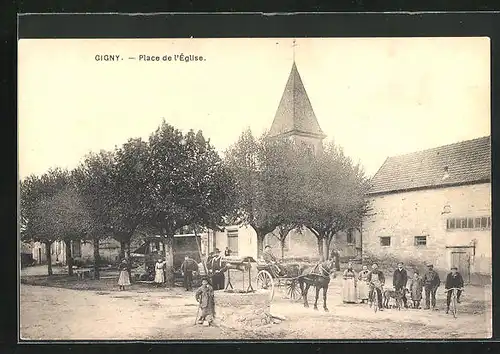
(295, 116)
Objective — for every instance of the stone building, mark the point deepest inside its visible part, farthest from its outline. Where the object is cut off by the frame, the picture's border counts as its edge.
(434, 206)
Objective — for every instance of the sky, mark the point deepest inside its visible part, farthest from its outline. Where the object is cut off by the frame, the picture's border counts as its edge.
(376, 97)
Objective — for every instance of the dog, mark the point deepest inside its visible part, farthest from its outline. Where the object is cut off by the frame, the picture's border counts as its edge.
(396, 295)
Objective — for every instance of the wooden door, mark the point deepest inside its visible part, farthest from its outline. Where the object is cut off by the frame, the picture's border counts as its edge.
(461, 259)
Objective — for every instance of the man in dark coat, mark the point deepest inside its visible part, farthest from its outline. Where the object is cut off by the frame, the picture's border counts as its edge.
(431, 284)
(453, 280)
(187, 268)
(399, 280)
(217, 270)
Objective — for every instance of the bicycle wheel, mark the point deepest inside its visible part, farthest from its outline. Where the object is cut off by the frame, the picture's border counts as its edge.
(375, 300)
(454, 306)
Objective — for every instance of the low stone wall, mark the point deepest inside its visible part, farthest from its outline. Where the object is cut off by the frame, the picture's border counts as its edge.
(254, 309)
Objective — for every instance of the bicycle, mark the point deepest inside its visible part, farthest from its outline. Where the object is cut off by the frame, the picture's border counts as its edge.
(453, 302)
(374, 298)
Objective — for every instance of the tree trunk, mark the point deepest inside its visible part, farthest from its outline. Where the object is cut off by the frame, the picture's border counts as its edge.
(127, 246)
(169, 260)
(122, 249)
(97, 257)
(69, 258)
(320, 248)
(49, 257)
(327, 247)
(260, 244)
(282, 244)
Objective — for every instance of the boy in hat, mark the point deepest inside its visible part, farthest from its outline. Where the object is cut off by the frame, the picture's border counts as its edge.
(205, 297)
(453, 280)
(431, 284)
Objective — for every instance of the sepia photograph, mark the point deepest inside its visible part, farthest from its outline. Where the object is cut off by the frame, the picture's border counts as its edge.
(254, 189)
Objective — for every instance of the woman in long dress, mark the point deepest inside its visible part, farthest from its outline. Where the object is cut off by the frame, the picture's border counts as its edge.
(349, 285)
(159, 274)
(363, 287)
(124, 279)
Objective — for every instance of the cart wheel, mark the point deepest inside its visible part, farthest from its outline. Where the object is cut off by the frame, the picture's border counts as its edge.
(293, 290)
(265, 281)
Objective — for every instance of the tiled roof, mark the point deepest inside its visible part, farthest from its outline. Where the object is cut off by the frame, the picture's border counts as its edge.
(465, 162)
(295, 113)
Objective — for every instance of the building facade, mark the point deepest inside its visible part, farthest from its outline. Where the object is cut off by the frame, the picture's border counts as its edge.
(242, 241)
(434, 206)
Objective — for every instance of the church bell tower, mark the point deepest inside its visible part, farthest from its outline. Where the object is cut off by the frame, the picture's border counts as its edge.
(295, 118)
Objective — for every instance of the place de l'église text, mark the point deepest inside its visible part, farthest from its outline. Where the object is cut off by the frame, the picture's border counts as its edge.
(151, 58)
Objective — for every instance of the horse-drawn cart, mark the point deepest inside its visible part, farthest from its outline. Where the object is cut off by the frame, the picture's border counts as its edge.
(268, 278)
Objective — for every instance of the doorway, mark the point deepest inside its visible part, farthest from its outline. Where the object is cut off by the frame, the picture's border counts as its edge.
(461, 259)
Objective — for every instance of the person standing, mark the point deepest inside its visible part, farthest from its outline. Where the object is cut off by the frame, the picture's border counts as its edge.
(349, 285)
(453, 280)
(336, 257)
(416, 287)
(376, 280)
(218, 278)
(206, 299)
(159, 273)
(187, 268)
(124, 278)
(227, 252)
(431, 284)
(362, 286)
(399, 280)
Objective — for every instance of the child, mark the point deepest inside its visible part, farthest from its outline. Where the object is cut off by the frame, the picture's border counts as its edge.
(124, 279)
(205, 297)
(416, 287)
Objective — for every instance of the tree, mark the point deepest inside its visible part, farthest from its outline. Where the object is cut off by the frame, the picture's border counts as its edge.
(187, 184)
(127, 209)
(264, 171)
(68, 219)
(94, 183)
(36, 194)
(334, 196)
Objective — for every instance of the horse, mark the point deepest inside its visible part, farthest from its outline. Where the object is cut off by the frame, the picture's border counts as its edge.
(319, 277)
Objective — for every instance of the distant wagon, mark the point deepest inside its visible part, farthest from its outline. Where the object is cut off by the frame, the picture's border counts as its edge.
(153, 248)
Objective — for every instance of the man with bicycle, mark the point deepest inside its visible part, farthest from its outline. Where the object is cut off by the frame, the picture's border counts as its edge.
(376, 280)
(453, 280)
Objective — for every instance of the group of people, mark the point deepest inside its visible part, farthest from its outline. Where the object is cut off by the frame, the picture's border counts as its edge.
(360, 287)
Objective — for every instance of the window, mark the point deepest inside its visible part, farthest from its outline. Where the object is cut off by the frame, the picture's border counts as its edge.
(385, 241)
(76, 250)
(350, 236)
(420, 240)
(468, 223)
(232, 241)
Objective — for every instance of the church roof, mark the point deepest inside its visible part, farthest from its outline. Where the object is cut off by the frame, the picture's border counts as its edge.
(465, 162)
(295, 113)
